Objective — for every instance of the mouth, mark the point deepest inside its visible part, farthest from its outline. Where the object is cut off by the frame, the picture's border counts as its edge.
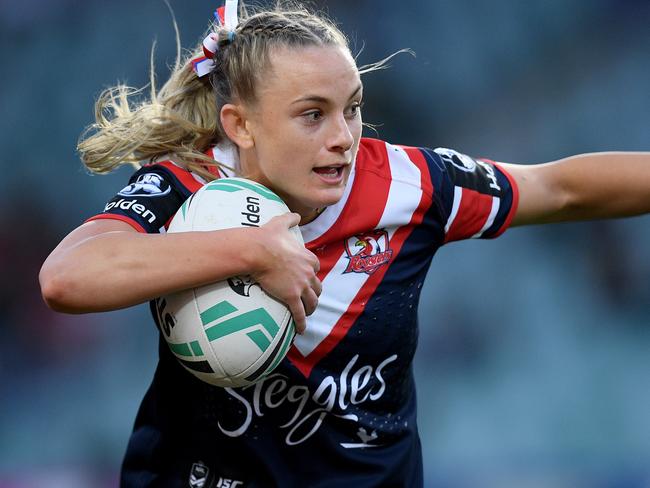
(331, 174)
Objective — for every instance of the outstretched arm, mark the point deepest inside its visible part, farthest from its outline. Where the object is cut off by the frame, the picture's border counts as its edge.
(583, 187)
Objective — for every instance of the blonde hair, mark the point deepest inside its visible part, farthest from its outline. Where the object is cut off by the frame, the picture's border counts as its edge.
(182, 118)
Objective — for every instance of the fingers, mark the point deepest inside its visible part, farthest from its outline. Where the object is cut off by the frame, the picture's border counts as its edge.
(298, 313)
(317, 286)
(313, 260)
(306, 305)
(309, 300)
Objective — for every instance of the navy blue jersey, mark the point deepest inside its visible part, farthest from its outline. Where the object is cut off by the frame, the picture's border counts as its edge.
(341, 408)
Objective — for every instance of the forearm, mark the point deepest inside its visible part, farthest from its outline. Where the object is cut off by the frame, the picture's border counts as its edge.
(583, 187)
(607, 185)
(118, 269)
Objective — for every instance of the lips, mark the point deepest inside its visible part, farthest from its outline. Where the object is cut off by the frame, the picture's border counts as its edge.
(329, 171)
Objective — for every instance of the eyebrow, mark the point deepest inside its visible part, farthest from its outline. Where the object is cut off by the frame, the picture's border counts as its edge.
(319, 99)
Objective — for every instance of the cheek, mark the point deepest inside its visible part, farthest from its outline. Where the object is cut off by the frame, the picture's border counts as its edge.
(356, 128)
(272, 147)
(299, 148)
(286, 138)
(358, 125)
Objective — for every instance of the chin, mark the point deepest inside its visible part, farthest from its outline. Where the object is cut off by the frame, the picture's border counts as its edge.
(328, 197)
(313, 198)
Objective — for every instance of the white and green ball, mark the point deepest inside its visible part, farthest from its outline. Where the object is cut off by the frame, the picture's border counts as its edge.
(230, 333)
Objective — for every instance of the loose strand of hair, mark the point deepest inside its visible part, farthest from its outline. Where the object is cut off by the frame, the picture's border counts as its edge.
(384, 63)
(152, 71)
(177, 36)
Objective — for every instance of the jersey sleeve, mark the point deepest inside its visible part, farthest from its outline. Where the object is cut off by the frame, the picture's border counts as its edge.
(476, 198)
(154, 193)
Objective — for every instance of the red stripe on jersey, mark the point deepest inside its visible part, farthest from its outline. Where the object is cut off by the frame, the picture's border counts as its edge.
(515, 199)
(328, 258)
(182, 175)
(472, 215)
(123, 218)
(306, 364)
(214, 170)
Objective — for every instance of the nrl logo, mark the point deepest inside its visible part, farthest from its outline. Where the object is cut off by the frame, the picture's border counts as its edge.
(199, 475)
(368, 252)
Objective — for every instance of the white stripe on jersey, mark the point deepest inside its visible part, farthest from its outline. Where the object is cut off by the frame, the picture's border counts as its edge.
(405, 190)
(226, 153)
(458, 196)
(339, 289)
(496, 203)
(332, 304)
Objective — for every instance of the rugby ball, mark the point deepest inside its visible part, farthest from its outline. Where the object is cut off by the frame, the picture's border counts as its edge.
(230, 333)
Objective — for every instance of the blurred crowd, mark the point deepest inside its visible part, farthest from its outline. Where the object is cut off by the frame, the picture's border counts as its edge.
(534, 356)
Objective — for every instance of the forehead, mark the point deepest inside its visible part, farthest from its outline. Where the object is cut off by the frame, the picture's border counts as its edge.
(313, 70)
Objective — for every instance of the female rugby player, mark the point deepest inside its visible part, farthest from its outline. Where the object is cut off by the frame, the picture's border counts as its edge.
(276, 96)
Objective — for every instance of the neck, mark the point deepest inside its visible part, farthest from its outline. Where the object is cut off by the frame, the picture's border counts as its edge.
(311, 216)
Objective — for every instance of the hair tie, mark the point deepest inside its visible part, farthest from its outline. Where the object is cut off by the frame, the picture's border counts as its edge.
(226, 16)
(230, 15)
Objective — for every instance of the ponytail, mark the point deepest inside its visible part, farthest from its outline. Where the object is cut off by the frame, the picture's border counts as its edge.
(180, 121)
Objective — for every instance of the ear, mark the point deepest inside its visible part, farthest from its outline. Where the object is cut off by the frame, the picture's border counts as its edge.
(234, 121)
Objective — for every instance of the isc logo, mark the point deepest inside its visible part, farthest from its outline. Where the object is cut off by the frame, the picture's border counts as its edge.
(199, 478)
(228, 483)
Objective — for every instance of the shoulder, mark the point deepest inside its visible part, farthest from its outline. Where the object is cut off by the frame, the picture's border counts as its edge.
(395, 162)
(375, 152)
(167, 172)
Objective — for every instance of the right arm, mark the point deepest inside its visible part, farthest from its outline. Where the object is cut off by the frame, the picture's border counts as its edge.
(106, 265)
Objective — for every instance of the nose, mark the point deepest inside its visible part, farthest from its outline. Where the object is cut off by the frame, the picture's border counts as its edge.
(341, 138)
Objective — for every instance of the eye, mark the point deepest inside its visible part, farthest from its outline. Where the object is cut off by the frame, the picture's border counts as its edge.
(312, 116)
(354, 109)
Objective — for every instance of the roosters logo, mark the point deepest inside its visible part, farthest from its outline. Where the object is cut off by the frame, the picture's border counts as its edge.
(368, 252)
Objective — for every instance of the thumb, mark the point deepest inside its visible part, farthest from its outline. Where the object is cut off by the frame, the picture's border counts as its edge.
(290, 219)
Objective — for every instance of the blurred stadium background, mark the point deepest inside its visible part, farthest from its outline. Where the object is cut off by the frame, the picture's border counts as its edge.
(534, 357)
